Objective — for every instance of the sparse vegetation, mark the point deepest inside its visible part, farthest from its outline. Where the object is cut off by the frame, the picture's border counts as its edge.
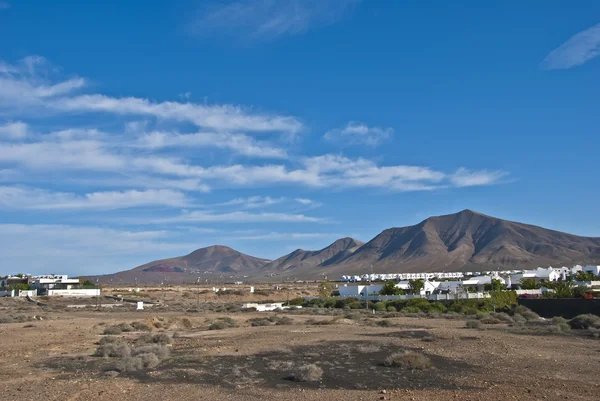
(408, 360)
(308, 373)
(584, 322)
(474, 324)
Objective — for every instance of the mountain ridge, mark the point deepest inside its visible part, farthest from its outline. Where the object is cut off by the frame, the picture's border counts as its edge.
(462, 241)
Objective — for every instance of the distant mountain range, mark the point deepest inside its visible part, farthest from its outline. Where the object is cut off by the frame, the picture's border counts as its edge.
(457, 242)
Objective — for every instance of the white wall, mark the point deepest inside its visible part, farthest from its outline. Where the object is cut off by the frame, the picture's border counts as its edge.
(91, 292)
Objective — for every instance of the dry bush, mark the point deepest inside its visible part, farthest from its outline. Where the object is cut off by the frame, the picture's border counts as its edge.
(222, 323)
(261, 322)
(280, 365)
(408, 360)
(186, 323)
(141, 326)
(162, 338)
(368, 349)
(584, 322)
(474, 324)
(108, 340)
(503, 317)
(112, 330)
(149, 360)
(113, 350)
(486, 318)
(284, 321)
(160, 351)
(129, 364)
(308, 373)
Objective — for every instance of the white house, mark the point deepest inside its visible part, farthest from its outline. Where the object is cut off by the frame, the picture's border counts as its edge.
(592, 269)
(539, 274)
(359, 290)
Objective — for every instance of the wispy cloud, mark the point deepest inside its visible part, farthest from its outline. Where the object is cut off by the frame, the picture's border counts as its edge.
(466, 178)
(355, 133)
(267, 19)
(235, 217)
(239, 143)
(13, 130)
(253, 202)
(4, 5)
(578, 50)
(33, 198)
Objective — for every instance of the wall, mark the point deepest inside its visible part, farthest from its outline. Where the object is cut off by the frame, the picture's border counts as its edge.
(565, 307)
(92, 292)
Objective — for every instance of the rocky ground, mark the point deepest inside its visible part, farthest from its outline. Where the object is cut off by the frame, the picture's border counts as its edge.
(52, 358)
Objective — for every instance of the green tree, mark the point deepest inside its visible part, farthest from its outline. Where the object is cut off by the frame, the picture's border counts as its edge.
(389, 288)
(585, 276)
(416, 286)
(325, 288)
(20, 286)
(529, 284)
(562, 289)
(495, 285)
(86, 283)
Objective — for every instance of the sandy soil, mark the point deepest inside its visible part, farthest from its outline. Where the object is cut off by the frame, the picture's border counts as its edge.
(51, 359)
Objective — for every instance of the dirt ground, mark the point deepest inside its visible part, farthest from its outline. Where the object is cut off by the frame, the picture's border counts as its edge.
(52, 358)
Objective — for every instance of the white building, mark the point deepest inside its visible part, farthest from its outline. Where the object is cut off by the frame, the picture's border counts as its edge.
(592, 269)
(539, 274)
(266, 307)
(359, 290)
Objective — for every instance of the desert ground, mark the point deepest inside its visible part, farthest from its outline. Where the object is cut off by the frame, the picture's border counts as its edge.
(261, 355)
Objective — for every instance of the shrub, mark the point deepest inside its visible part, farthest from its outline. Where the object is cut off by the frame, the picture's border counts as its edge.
(125, 327)
(261, 322)
(113, 350)
(391, 309)
(530, 316)
(162, 338)
(486, 318)
(145, 338)
(308, 373)
(113, 330)
(379, 306)
(140, 326)
(107, 340)
(130, 364)
(149, 360)
(584, 322)
(408, 360)
(219, 325)
(159, 350)
(284, 321)
(503, 317)
(186, 323)
(411, 309)
(473, 324)
(385, 323)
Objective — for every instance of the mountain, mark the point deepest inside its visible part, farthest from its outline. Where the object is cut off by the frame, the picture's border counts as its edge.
(301, 260)
(467, 241)
(212, 260)
(464, 241)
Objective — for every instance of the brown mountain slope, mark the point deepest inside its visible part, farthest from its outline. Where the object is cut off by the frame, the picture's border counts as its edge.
(212, 260)
(468, 241)
(301, 259)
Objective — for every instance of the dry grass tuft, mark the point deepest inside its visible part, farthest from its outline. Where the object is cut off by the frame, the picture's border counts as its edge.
(308, 373)
(408, 360)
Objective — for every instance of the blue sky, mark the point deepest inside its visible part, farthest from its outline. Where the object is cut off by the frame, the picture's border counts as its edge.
(133, 133)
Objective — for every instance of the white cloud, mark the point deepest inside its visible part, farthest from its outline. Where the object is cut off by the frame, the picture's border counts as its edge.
(33, 198)
(236, 217)
(466, 178)
(579, 49)
(221, 118)
(27, 86)
(355, 133)
(266, 19)
(239, 143)
(13, 130)
(253, 202)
